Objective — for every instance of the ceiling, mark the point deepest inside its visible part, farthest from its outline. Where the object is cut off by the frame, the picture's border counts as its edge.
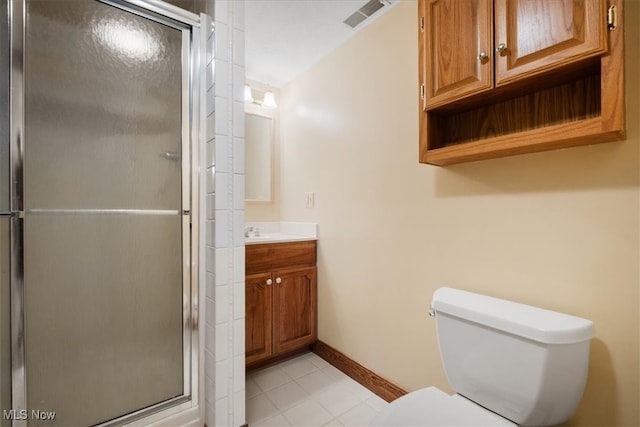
(285, 37)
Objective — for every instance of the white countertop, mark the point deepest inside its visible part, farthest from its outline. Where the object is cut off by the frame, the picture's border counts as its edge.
(276, 238)
(280, 232)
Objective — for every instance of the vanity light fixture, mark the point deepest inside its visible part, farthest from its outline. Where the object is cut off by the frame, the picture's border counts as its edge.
(268, 101)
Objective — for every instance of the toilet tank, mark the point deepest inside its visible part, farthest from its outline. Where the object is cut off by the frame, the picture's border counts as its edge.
(525, 363)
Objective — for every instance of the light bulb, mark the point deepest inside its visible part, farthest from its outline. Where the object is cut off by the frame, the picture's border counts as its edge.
(269, 100)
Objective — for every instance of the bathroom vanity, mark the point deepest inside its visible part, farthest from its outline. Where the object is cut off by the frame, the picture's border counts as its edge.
(281, 299)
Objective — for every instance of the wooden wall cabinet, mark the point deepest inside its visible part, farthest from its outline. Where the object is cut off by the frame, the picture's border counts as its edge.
(505, 77)
(280, 300)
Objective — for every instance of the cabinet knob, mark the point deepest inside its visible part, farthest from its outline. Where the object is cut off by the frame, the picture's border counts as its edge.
(483, 56)
(501, 48)
(278, 280)
(269, 282)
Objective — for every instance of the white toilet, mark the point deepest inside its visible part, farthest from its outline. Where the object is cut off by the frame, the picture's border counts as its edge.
(509, 364)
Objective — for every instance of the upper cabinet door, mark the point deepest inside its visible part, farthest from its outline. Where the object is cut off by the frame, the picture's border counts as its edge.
(535, 36)
(458, 38)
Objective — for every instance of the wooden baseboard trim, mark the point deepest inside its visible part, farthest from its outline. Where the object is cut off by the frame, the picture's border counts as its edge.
(374, 382)
(277, 359)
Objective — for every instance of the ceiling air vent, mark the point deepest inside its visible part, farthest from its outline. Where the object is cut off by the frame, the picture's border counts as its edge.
(364, 13)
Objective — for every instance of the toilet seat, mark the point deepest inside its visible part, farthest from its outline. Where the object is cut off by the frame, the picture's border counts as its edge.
(432, 407)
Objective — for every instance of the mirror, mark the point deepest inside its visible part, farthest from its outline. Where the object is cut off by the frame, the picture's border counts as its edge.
(258, 156)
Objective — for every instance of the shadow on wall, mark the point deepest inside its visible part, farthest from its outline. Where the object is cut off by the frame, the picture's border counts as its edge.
(610, 165)
(599, 404)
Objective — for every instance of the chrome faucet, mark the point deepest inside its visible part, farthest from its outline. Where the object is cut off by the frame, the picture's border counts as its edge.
(249, 231)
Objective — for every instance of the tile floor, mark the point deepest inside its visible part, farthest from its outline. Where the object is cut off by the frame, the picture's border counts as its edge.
(308, 392)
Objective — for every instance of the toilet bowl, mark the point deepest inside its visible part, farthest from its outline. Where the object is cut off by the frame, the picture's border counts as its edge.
(508, 363)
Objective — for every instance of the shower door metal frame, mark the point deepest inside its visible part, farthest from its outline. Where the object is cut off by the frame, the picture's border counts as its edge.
(192, 55)
(16, 132)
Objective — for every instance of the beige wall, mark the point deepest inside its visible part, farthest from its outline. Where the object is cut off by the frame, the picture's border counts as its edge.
(558, 229)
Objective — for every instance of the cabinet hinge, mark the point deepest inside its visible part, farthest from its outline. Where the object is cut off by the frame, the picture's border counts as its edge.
(612, 18)
(422, 91)
(422, 24)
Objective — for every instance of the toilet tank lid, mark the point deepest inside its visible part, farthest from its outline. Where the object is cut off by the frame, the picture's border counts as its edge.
(530, 322)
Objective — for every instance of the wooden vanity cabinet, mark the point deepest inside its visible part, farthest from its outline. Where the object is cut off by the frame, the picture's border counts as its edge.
(280, 300)
(504, 77)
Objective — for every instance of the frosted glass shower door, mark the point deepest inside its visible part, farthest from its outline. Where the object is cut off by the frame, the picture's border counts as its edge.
(106, 214)
(5, 332)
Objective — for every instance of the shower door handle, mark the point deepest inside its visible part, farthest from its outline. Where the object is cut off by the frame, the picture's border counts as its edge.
(12, 214)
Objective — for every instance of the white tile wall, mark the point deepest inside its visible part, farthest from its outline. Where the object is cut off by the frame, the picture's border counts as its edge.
(224, 230)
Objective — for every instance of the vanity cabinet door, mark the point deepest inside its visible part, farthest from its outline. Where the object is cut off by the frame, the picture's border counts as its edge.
(258, 300)
(534, 36)
(294, 308)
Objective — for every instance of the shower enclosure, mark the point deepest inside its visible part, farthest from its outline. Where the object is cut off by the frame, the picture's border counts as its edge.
(98, 210)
